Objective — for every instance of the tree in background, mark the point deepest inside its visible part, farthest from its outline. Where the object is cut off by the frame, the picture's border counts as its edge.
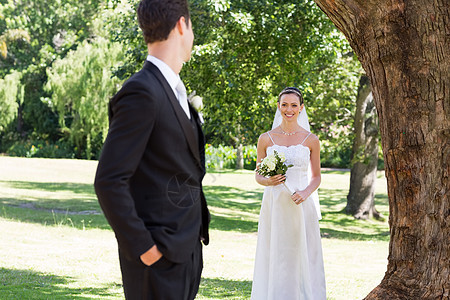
(12, 35)
(11, 93)
(404, 48)
(81, 85)
(246, 52)
(253, 49)
(361, 196)
(51, 28)
(65, 47)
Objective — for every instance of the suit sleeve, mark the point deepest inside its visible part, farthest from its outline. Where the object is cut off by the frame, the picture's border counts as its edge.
(133, 113)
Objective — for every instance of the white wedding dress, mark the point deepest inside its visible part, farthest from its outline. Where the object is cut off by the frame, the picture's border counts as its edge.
(289, 262)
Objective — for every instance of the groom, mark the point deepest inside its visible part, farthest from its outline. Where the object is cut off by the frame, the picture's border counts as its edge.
(149, 176)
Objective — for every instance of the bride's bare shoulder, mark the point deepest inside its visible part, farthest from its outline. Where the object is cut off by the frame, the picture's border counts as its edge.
(314, 137)
(312, 141)
(264, 139)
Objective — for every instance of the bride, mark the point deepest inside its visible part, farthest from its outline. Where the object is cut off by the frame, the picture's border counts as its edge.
(288, 262)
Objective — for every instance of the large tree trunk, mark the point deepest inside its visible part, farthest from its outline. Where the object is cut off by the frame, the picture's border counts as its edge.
(361, 196)
(404, 46)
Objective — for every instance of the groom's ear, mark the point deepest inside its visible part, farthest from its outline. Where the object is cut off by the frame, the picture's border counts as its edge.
(181, 25)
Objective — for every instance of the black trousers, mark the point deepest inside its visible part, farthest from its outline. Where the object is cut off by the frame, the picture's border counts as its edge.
(164, 280)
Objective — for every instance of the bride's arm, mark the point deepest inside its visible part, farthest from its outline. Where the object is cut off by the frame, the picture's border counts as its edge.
(316, 177)
(314, 146)
(263, 143)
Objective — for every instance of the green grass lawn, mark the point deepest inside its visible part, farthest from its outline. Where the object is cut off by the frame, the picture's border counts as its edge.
(56, 244)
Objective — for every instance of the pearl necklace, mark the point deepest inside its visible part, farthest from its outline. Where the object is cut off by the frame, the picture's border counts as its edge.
(288, 134)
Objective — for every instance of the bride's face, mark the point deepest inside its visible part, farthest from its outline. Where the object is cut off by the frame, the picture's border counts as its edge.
(289, 106)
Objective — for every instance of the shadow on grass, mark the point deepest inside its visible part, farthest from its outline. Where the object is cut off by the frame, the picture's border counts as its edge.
(381, 235)
(235, 205)
(232, 209)
(215, 288)
(58, 196)
(333, 199)
(233, 224)
(45, 217)
(233, 198)
(25, 284)
(335, 171)
(77, 188)
(337, 224)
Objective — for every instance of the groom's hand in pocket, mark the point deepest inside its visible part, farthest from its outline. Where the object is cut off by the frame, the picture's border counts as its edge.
(151, 256)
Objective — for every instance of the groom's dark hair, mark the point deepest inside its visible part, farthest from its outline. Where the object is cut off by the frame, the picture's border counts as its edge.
(157, 18)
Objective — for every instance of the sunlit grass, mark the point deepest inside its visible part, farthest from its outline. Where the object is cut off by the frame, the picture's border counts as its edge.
(56, 244)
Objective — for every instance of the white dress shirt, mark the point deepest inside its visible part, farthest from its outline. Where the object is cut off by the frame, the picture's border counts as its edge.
(173, 79)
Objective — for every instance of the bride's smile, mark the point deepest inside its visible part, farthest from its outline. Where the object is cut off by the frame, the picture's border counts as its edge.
(289, 106)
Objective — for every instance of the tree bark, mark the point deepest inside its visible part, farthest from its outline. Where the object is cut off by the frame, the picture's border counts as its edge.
(239, 146)
(240, 156)
(19, 126)
(361, 196)
(404, 48)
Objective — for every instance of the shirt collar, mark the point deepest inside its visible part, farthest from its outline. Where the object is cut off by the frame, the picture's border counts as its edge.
(171, 77)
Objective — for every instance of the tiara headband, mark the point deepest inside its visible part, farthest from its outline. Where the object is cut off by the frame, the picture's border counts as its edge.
(291, 90)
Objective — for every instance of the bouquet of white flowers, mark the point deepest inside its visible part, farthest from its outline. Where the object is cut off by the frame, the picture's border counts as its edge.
(273, 164)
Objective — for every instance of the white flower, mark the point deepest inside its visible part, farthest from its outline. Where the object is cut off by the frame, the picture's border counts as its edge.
(270, 165)
(197, 102)
(268, 158)
(282, 156)
(270, 162)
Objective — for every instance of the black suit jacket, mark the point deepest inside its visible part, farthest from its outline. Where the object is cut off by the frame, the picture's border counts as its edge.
(148, 180)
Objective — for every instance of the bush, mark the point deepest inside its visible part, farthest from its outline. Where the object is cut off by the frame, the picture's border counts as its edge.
(336, 146)
(221, 157)
(41, 148)
(224, 157)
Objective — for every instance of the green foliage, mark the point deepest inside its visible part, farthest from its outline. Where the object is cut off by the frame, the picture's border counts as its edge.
(249, 51)
(224, 157)
(53, 25)
(333, 155)
(124, 29)
(37, 117)
(336, 146)
(36, 33)
(12, 35)
(41, 148)
(246, 52)
(11, 93)
(81, 85)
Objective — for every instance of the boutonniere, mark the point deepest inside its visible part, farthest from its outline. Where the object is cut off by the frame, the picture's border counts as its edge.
(197, 103)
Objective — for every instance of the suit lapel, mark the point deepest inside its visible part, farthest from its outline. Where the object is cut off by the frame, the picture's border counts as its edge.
(200, 135)
(179, 112)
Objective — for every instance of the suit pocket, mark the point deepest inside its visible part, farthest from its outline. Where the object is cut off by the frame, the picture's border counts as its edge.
(162, 263)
